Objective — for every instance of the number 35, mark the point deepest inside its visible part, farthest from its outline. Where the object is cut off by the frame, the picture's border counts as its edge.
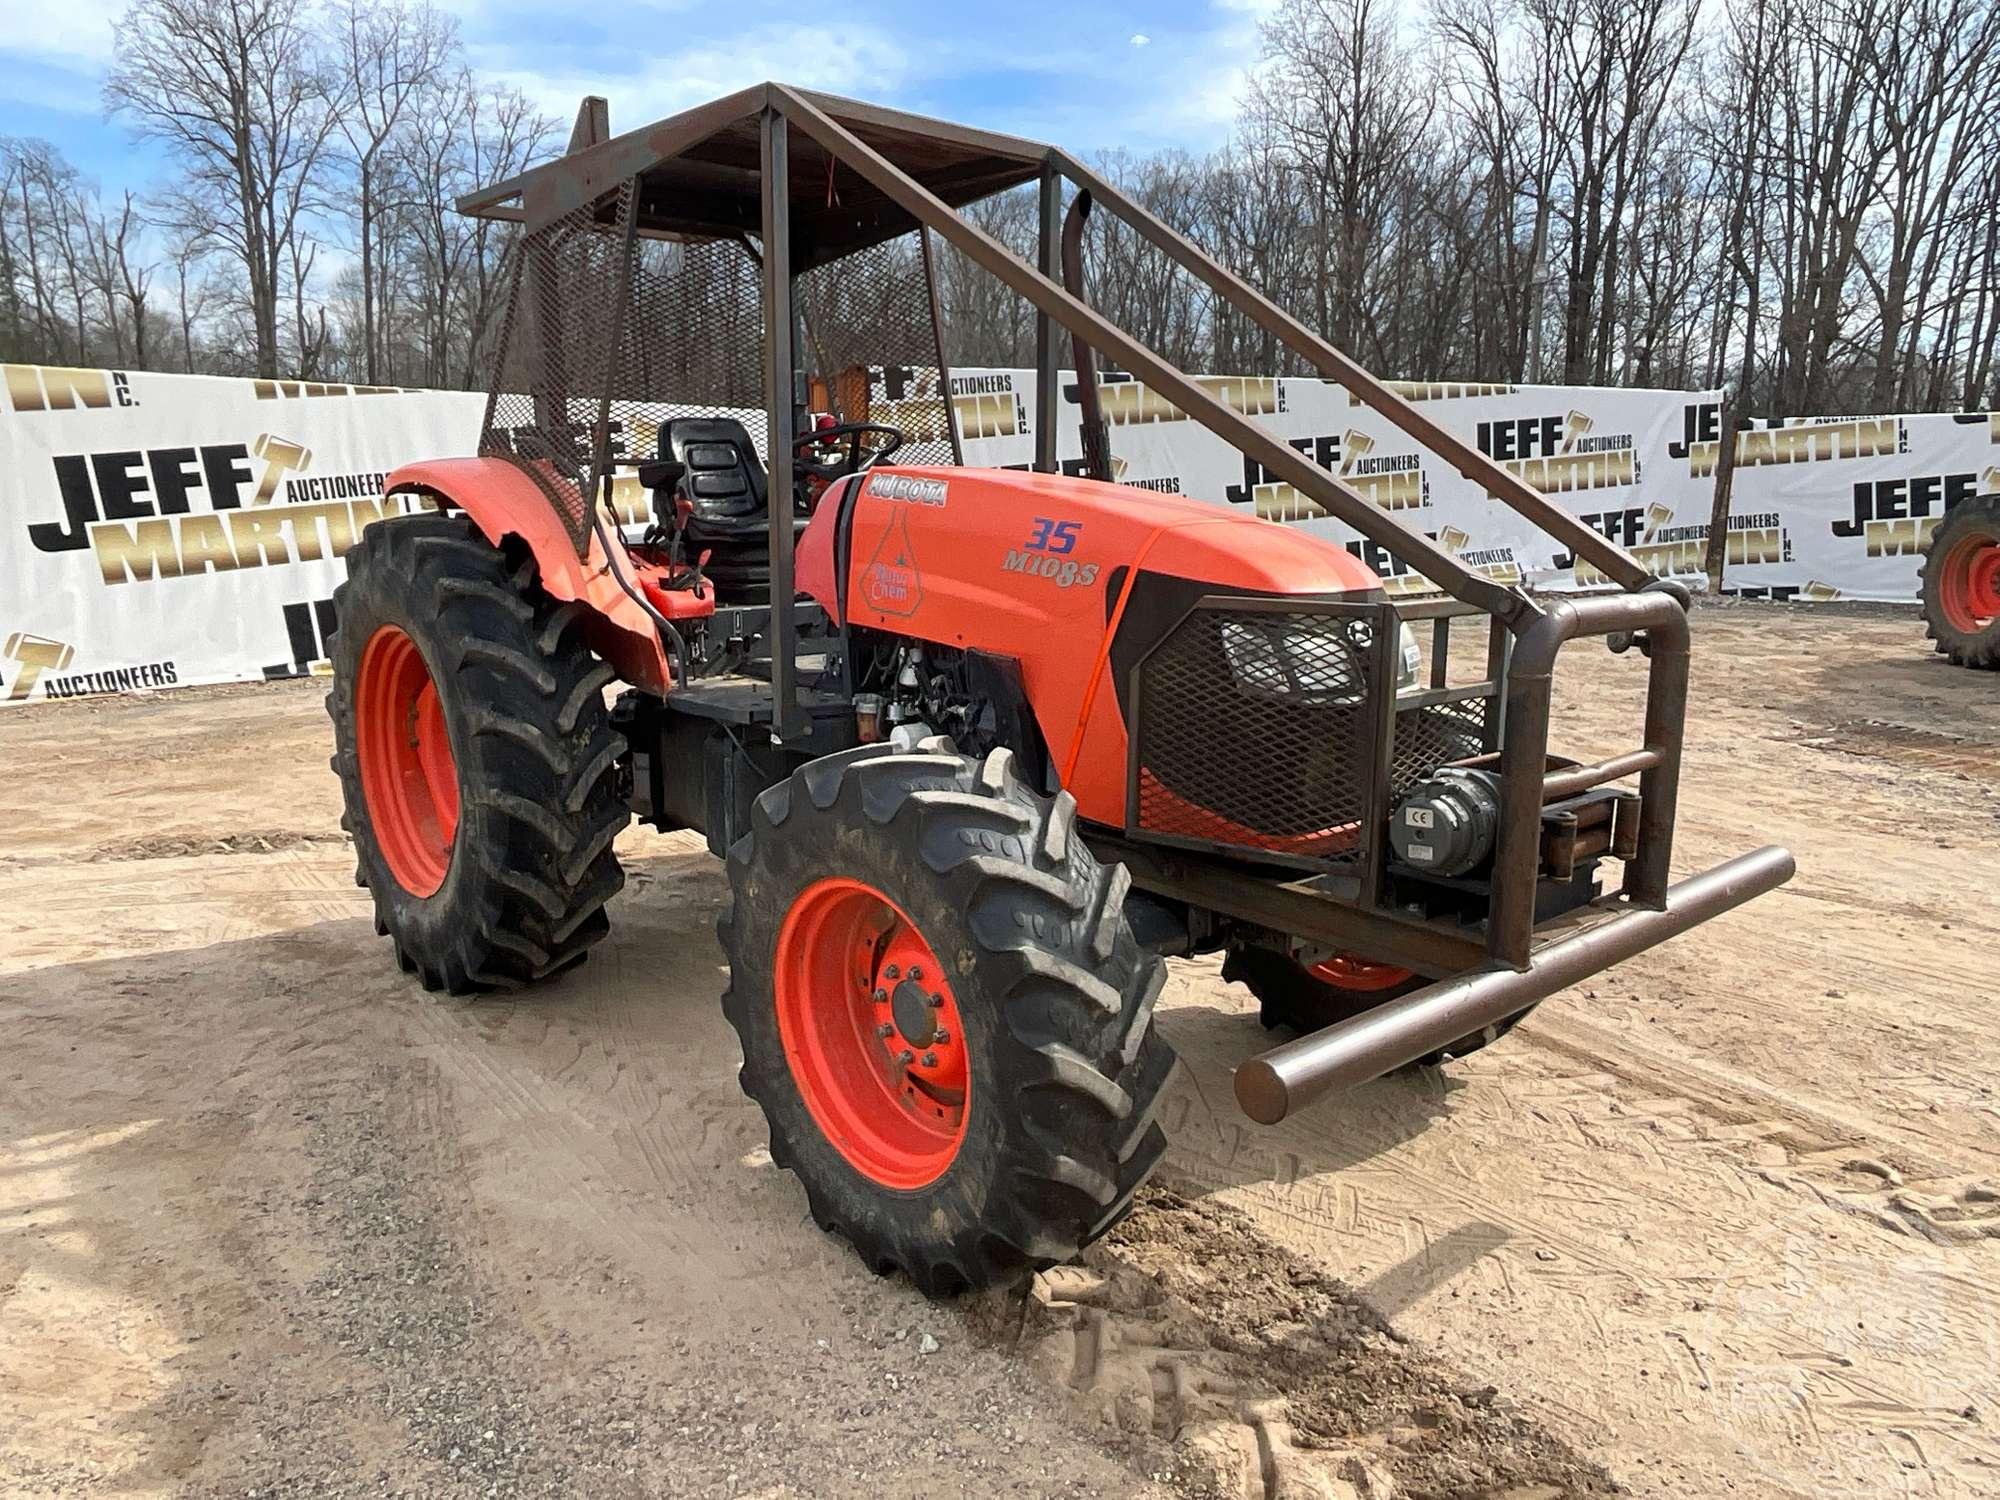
(1054, 536)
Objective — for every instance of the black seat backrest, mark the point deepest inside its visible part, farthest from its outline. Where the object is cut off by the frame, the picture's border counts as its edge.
(724, 478)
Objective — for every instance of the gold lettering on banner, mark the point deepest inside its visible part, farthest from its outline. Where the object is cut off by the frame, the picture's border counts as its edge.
(136, 554)
(182, 546)
(56, 388)
(984, 414)
(1578, 471)
(35, 654)
(204, 545)
(1128, 403)
(259, 538)
(281, 456)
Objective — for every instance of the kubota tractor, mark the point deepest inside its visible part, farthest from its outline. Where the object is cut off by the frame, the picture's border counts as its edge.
(980, 746)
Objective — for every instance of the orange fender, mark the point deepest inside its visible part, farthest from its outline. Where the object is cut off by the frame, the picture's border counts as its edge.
(502, 502)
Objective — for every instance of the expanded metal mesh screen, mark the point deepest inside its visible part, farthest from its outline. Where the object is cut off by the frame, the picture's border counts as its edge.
(1256, 729)
(870, 344)
(1434, 736)
(610, 334)
(555, 356)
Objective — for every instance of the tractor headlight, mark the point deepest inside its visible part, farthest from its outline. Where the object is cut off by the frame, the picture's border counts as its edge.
(1310, 659)
(1300, 658)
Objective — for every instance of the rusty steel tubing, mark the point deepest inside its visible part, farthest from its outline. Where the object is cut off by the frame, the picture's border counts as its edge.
(1272, 1085)
(1559, 785)
(1524, 756)
(1095, 434)
(1500, 482)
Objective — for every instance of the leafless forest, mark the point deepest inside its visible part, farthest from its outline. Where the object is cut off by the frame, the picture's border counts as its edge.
(1797, 198)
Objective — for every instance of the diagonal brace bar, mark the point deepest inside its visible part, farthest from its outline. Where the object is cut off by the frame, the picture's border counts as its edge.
(1336, 498)
(1508, 488)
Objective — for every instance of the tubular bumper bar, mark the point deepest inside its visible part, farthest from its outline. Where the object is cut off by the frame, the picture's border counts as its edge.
(1273, 1084)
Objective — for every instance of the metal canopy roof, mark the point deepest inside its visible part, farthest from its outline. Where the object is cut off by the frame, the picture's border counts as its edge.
(858, 174)
(699, 173)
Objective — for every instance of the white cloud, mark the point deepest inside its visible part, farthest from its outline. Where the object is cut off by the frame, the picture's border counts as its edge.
(61, 30)
(1140, 39)
(849, 60)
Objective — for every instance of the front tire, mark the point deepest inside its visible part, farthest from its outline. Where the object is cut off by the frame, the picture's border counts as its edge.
(1022, 1132)
(1296, 998)
(476, 757)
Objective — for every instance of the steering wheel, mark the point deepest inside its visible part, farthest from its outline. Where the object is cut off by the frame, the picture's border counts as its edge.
(853, 461)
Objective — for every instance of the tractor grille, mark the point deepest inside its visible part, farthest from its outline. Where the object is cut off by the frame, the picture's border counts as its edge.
(1257, 729)
(608, 334)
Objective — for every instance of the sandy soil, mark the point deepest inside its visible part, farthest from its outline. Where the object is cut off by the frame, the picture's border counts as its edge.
(1723, 1222)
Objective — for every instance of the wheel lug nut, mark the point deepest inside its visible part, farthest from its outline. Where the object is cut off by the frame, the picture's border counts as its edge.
(891, 971)
(930, 1059)
(941, 1036)
(937, 1002)
(881, 997)
(906, 1057)
(916, 975)
(885, 1029)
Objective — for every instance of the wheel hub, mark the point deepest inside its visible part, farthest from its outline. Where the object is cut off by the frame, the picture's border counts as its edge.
(1350, 971)
(1984, 585)
(910, 1006)
(871, 1033)
(1969, 589)
(408, 775)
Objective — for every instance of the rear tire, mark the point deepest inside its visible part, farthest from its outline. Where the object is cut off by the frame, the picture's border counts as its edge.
(1291, 997)
(514, 890)
(1061, 1068)
(1961, 584)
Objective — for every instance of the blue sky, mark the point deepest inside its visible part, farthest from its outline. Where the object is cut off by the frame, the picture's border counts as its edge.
(1142, 76)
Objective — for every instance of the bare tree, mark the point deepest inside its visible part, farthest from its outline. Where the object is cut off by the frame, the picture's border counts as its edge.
(122, 280)
(239, 91)
(1804, 207)
(1345, 105)
(391, 55)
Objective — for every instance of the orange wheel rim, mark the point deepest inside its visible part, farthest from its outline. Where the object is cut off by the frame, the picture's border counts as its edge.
(1348, 972)
(1969, 587)
(408, 775)
(872, 1033)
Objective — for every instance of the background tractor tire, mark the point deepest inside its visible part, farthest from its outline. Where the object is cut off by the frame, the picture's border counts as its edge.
(1961, 584)
(1045, 1010)
(475, 756)
(1292, 996)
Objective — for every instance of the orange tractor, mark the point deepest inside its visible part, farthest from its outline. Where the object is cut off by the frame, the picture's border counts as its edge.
(981, 747)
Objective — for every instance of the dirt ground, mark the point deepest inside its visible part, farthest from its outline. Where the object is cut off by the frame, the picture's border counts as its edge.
(1724, 1222)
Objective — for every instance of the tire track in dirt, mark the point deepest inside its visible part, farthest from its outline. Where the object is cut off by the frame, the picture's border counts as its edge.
(1269, 1380)
(1619, 1203)
(606, 1090)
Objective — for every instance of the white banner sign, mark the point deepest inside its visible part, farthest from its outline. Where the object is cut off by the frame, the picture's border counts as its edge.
(1846, 505)
(1605, 455)
(165, 529)
(158, 530)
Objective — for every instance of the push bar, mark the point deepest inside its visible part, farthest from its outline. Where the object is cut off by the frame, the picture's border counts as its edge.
(1273, 1084)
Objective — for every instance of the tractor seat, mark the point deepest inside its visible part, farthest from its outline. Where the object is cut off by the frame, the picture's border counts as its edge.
(724, 483)
(722, 476)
